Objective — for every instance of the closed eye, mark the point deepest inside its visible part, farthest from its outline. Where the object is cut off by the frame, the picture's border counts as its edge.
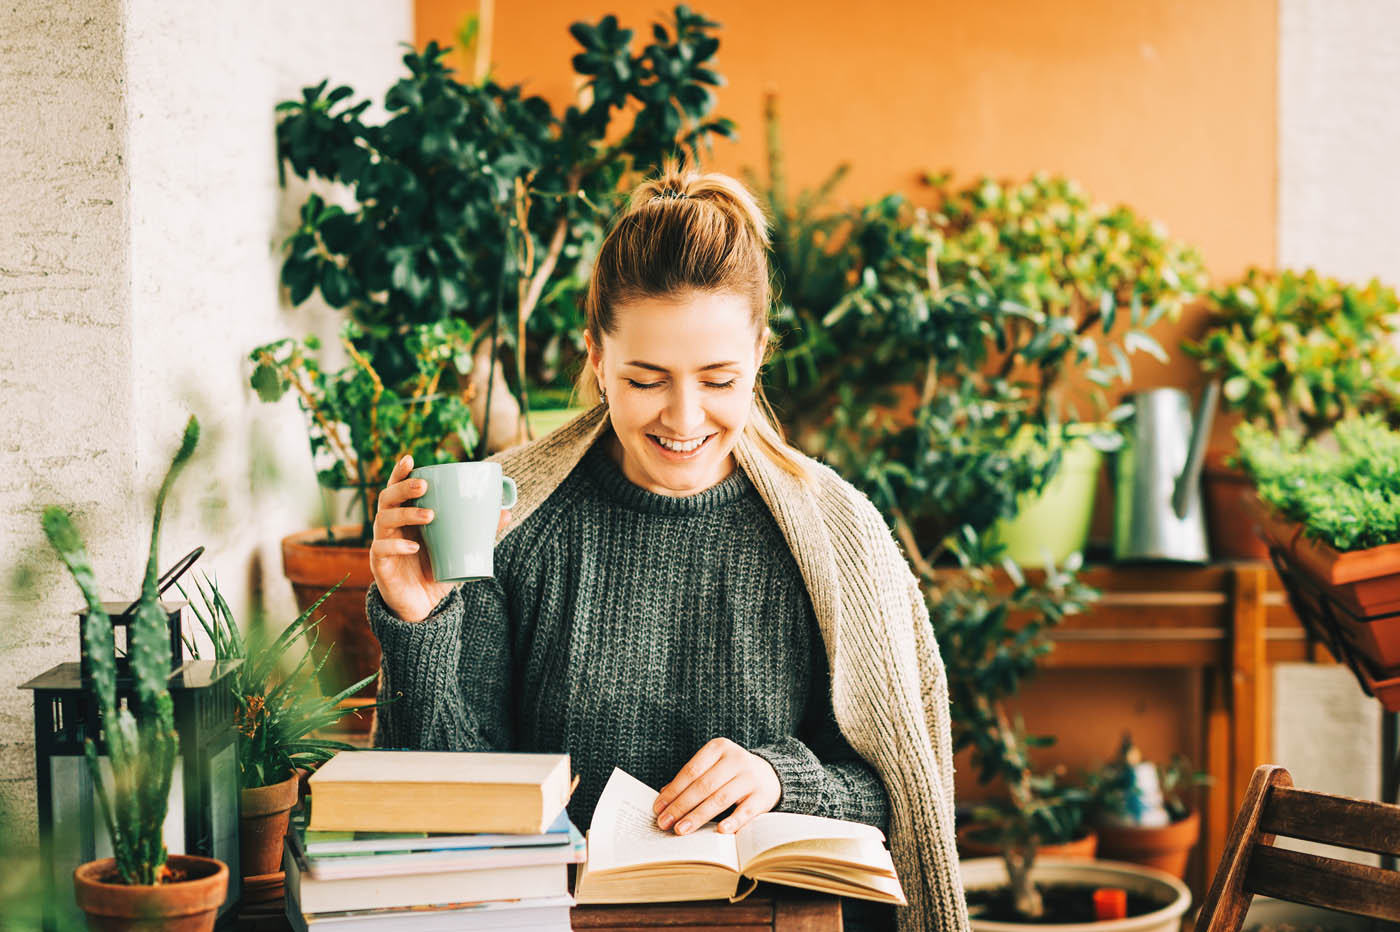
(729, 384)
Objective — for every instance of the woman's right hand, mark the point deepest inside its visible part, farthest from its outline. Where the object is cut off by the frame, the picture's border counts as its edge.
(397, 558)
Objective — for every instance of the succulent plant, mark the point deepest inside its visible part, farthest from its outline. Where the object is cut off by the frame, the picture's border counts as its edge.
(140, 741)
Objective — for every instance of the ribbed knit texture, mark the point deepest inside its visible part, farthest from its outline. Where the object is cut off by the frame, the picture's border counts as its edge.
(889, 694)
(629, 628)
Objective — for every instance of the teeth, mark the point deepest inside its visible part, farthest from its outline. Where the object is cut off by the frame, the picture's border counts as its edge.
(674, 446)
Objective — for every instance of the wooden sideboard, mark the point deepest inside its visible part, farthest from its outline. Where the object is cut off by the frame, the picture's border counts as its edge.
(1228, 622)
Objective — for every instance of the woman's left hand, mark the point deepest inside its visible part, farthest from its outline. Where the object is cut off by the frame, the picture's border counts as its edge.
(720, 775)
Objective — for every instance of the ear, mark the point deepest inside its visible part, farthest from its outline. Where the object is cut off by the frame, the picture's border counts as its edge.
(760, 350)
(595, 356)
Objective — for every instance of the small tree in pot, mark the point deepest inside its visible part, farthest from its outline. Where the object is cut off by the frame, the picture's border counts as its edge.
(478, 203)
(142, 882)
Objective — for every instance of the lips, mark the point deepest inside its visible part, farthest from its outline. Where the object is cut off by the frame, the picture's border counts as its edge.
(686, 452)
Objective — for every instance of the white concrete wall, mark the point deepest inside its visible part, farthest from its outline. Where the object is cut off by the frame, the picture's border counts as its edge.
(139, 255)
(1339, 212)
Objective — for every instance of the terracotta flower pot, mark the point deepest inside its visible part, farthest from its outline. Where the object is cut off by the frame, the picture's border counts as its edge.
(1080, 849)
(262, 824)
(313, 568)
(189, 904)
(1234, 532)
(1167, 848)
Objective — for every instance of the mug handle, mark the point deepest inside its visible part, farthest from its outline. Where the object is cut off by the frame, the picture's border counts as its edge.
(508, 496)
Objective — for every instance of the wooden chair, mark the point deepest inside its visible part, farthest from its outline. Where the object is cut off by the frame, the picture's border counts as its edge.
(1252, 864)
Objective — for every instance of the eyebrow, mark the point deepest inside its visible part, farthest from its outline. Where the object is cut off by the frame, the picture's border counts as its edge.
(655, 368)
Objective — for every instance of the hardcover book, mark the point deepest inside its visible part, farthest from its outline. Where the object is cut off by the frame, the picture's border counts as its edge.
(439, 791)
(631, 860)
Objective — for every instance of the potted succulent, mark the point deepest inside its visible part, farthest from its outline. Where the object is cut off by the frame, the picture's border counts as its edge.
(358, 428)
(1141, 810)
(892, 365)
(281, 709)
(1293, 350)
(1331, 512)
(142, 886)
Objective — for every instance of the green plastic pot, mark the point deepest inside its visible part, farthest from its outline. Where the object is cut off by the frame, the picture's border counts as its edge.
(1055, 524)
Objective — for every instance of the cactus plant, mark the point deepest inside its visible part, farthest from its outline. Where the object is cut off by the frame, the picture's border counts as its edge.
(141, 743)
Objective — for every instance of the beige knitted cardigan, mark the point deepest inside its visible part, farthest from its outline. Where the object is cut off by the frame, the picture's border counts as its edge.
(888, 688)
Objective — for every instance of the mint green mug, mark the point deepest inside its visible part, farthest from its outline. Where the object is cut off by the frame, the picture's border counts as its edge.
(466, 500)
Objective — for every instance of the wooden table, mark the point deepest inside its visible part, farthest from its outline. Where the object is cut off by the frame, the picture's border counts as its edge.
(780, 909)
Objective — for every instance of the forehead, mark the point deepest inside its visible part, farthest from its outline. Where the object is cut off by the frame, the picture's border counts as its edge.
(692, 329)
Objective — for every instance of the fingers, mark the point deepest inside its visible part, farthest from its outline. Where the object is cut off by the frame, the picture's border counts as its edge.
(743, 815)
(737, 788)
(393, 547)
(505, 520)
(702, 761)
(392, 518)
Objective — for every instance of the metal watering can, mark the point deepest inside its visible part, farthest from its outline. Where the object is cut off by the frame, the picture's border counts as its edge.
(1158, 514)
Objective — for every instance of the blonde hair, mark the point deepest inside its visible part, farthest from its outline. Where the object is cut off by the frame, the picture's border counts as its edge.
(687, 231)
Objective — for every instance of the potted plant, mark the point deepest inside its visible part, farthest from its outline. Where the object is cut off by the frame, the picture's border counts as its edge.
(358, 428)
(281, 709)
(142, 886)
(1332, 515)
(477, 203)
(1141, 810)
(1293, 350)
(476, 214)
(912, 382)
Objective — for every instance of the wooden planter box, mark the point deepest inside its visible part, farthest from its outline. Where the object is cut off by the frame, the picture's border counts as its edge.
(1351, 600)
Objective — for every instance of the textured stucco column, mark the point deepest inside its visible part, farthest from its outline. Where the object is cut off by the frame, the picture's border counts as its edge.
(139, 246)
(1339, 212)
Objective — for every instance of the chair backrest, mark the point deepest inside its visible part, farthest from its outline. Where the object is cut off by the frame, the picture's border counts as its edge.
(1251, 864)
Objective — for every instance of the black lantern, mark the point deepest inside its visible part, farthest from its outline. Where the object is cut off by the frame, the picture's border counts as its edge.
(204, 793)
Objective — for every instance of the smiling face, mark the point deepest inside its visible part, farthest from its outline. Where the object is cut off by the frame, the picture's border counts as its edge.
(679, 375)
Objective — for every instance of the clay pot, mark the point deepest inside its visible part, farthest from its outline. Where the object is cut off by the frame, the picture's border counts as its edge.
(1080, 849)
(313, 568)
(1167, 848)
(262, 824)
(1234, 533)
(187, 905)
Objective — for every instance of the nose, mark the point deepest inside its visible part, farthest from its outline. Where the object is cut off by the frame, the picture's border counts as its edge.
(684, 411)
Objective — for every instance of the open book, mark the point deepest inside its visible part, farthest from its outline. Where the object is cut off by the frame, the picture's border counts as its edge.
(630, 860)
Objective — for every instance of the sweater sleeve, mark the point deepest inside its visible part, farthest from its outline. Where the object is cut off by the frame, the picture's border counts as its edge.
(446, 678)
(821, 774)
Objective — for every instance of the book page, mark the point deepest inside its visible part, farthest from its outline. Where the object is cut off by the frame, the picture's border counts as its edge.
(772, 829)
(624, 832)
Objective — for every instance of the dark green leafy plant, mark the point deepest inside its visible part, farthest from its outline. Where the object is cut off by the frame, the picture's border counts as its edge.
(358, 427)
(1345, 493)
(926, 354)
(479, 203)
(280, 705)
(1296, 349)
(140, 741)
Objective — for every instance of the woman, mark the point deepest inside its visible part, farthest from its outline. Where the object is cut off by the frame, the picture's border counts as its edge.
(680, 593)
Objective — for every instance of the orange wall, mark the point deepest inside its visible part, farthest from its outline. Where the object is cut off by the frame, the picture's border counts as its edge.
(1167, 105)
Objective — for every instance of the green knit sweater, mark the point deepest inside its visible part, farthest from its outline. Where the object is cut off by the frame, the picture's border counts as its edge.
(628, 628)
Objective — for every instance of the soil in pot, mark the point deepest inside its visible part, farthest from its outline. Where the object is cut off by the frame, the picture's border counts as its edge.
(1063, 903)
(189, 902)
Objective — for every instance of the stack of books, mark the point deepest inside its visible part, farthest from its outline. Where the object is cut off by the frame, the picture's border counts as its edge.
(422, 841)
